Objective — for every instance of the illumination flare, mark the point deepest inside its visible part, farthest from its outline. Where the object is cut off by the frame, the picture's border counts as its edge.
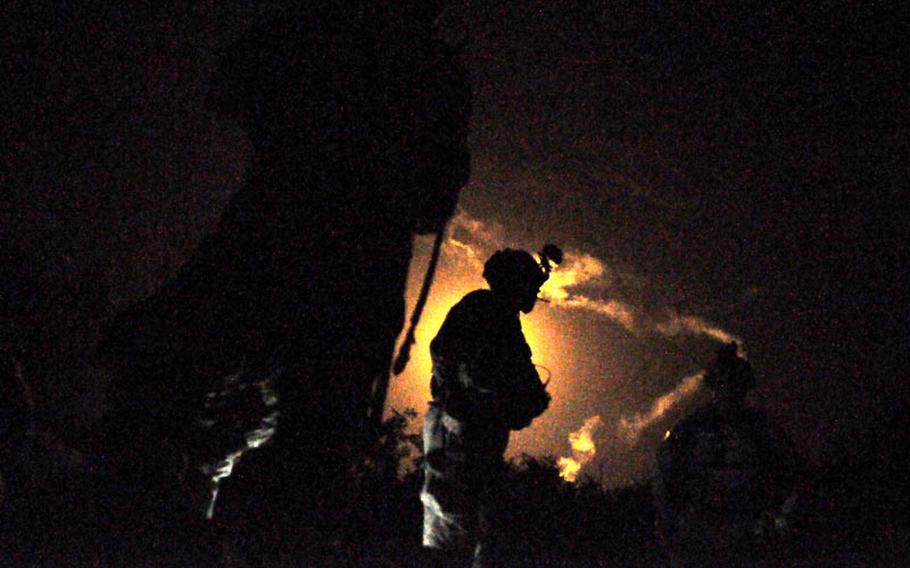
(583, 449)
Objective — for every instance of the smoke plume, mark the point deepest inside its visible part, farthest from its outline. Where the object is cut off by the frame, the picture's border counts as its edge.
(692, 325)
(615, 310)
(584, 270)
(583, 449)
(630, 428)
(581, 270)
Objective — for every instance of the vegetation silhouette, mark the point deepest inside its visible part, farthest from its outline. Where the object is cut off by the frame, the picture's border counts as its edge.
(544, 520)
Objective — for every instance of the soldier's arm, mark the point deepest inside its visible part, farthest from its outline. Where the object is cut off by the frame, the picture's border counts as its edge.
(515, 394)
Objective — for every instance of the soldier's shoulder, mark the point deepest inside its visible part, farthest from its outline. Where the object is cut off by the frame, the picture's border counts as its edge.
(466, 311)
(472, 310)
(477, 300)
(703, 417)
(687, 429)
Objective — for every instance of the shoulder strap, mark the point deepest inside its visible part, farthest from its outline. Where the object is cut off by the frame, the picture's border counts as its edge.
(404, 352)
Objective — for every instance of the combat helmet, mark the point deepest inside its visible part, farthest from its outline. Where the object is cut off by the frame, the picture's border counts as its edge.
(510, 269)
(730, 370)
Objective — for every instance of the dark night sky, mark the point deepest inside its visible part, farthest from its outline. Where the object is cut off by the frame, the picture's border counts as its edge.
(742, 164)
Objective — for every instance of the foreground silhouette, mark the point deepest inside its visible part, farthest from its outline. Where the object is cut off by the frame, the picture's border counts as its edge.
(284, 321)
(484, 385)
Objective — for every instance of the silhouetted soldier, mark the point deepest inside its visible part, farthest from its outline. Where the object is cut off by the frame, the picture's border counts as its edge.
(358, 117)
(483, 385)
(726, 476)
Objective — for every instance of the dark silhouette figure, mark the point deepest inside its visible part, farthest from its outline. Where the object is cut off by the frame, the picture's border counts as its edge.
(483, 385)
(358, 116)
(726, 477)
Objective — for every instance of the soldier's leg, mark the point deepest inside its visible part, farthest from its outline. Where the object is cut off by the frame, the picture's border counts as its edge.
(449, 506)
(490, 551)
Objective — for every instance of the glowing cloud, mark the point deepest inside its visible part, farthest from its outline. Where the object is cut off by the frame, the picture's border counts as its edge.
(467, 252)
(575, 270)
(489, 234)
(692, 325)
(588, 271)
(583, 449)
(472, 240)
(630, 429)
(582, 283)
(613, 309)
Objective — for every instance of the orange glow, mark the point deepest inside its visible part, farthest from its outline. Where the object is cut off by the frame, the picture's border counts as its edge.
(577, 269)
(581, 270)
(583, 449)
(578, 363)
(458, 274)
(568, 468)
(453, 281)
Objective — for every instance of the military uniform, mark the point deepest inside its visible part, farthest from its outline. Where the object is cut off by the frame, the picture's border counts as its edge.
(723, 483)
(484, 385)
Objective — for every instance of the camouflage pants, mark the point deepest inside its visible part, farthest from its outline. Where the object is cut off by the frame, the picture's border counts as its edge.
(462, 472)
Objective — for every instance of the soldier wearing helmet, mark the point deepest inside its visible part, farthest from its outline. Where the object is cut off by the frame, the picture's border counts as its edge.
(726, 481)
(483, 386)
